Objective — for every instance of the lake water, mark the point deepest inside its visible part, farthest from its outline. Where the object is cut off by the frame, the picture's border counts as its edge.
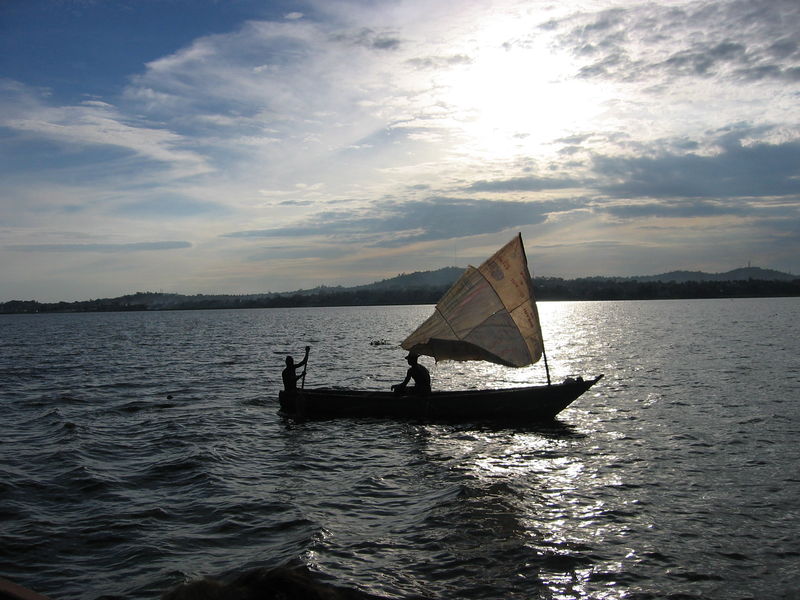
(140, 450)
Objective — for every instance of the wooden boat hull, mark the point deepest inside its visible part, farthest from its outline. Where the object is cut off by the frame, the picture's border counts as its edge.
(524, 404)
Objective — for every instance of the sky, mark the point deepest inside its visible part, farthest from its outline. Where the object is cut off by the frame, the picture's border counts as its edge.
(244, 146)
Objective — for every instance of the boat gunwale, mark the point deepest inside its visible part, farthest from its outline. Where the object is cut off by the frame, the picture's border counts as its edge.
(581, 383)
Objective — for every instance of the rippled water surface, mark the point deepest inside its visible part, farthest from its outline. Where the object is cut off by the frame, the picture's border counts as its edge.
(140, 450)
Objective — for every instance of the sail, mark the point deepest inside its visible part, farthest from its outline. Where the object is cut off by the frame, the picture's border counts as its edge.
(488, 314)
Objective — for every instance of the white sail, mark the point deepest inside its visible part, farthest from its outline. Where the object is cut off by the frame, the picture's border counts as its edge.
(488, 314)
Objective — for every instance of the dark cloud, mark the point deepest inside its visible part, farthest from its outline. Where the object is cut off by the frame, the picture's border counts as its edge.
(369, 38)
(742, 40)
(738, 171)
(386, 43)
(777, 221)
(524, 184)
(676, 208)
(398, 223)
(702, 59)
(103, 248)
(295, 203)
(783, 48)
(294, 231)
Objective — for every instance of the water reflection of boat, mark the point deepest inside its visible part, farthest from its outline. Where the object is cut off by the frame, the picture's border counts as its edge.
(489, 314)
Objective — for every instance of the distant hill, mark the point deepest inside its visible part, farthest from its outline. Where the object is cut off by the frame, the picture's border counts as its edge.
(447, 275)
(742, 274)
(416, 280)
(426, 287)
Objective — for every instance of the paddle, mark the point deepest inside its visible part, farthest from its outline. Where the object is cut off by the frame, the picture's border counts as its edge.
(305, 368)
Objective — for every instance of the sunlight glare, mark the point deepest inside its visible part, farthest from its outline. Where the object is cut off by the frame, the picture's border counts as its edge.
(517, 97)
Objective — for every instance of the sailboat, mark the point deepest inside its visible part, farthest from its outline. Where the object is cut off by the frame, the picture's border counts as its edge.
(489, 314)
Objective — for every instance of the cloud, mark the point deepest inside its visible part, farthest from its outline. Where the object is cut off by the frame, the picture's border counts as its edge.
(101, 248)
(94, 124)
(758, 170)
(267, 74)
(738, 40)
(369, 38)
(327, 252)
(675, 209)
(439, 62)
(398, 223)
(276, 100)
(524, 184)
(170, 206)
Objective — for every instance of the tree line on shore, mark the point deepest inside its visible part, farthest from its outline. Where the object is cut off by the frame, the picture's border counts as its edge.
(546, 288)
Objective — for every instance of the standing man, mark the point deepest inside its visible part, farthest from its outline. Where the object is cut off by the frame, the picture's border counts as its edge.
(290, 376)
(420, 375)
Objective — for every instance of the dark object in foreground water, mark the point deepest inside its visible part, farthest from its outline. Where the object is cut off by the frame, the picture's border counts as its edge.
(520, 405)
(13, 591)
(279, 583)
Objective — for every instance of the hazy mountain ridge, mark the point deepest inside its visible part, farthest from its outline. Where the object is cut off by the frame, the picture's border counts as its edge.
(740, 274)
(426, 287)
(417, 279)
(448, 275)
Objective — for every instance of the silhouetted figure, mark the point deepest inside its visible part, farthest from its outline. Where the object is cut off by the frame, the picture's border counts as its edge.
(290, 376)
(420, 375)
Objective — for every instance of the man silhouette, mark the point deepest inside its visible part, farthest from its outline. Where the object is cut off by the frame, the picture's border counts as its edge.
(289, 374)
(420, 375)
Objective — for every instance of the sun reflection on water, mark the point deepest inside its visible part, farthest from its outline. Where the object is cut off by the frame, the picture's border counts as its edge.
(534, 499)
(554, 494)
(574, 344)
(550, 494)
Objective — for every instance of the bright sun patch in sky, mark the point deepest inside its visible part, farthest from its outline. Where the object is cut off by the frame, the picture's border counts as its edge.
(512, 97)
(511, 107)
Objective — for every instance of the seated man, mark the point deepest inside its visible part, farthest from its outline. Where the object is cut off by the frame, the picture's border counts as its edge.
(420, 375)
(290, 376)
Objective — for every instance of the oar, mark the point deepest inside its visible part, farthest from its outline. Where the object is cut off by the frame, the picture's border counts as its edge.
(546, 367)
(305, 369)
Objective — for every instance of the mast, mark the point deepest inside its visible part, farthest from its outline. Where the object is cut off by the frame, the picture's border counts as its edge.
(544, 353)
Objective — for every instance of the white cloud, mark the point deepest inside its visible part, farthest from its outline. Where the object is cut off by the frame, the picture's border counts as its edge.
(98, 124)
